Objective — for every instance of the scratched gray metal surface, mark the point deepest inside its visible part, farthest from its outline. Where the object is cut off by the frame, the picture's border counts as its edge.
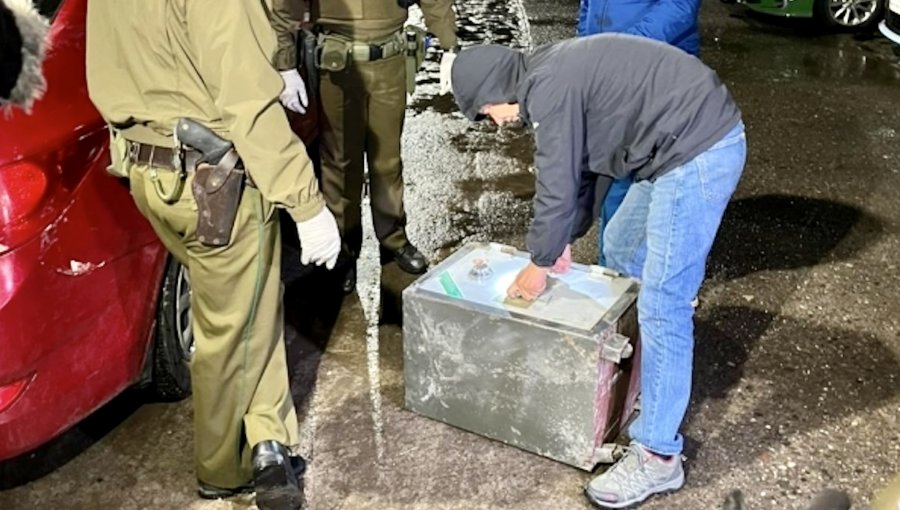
(531, 377)
(579, 298)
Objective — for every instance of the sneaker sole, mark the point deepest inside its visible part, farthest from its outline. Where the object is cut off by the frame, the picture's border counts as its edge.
(665, 490)
(275, 492)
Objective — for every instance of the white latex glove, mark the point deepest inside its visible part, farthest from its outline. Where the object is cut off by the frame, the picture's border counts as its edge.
(320, 241)
(446, 68)
(294, 97)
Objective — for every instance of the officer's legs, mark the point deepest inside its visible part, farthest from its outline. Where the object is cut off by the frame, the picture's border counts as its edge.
(386, 84)
(239, 373)
(241, 390)
(344, 107)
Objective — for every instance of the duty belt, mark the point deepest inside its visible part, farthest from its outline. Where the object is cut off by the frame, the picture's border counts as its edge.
(181, 162)
(162, 157)
(370, 52)
(362, 52)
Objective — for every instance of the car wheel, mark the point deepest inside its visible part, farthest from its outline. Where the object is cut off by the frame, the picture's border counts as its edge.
(850, 15)
(174, 343)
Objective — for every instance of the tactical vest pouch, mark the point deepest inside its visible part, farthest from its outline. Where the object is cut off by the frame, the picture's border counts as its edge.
(218, 190)
(119, 162)
(415, 55)
(334, 52)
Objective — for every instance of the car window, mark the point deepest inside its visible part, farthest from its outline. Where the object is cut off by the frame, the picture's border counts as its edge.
(47, 8)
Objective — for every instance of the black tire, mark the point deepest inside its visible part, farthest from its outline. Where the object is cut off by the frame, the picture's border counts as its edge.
(171, 380)
(826, 17)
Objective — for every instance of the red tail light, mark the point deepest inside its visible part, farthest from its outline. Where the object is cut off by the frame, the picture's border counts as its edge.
(29, 199)
(23, 186)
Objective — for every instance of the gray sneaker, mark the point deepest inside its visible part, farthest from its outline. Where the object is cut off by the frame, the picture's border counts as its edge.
(637, 476)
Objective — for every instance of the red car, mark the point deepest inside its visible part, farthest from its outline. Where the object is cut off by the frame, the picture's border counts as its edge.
(90, 302)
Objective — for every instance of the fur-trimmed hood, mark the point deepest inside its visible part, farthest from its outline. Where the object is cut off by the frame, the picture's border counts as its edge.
(23, 45)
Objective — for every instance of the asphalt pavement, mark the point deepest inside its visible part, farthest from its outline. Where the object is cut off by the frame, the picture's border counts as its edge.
(797, 365)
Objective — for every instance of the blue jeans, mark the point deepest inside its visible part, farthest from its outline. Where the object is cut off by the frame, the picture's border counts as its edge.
(614, 197)
(662, 234)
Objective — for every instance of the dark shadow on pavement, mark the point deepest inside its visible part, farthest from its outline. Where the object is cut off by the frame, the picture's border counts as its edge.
(806, 376)
(393, 281)
(724, 338)
(57, 452)
(312, 302)
(778, 232)
(796, 359)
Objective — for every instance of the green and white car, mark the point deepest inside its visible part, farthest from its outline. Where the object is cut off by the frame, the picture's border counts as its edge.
(890, 27)
(849, 15)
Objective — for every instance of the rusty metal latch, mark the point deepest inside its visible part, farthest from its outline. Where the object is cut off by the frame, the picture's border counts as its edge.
(616, 348)
(608, 453)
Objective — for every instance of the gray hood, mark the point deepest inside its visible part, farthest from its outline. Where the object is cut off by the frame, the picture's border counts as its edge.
(485, 75)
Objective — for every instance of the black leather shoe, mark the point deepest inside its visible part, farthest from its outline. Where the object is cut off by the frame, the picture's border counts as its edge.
(348, 285)
(278, 484)
(298, 464)
(411, 260)
(206, 491)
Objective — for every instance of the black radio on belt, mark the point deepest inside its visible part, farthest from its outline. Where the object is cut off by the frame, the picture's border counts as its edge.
(406, 4)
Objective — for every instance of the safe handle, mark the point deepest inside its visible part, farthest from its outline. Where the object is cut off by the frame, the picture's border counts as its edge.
(616, 348)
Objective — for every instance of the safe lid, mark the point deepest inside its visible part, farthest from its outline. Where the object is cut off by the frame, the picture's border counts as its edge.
(480, 274)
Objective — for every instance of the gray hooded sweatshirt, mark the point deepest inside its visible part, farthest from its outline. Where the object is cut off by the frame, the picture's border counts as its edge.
(602, 107)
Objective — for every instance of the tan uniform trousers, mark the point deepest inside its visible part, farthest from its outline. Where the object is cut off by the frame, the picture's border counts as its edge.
(364, 108)
(889, 498)
(239, 369)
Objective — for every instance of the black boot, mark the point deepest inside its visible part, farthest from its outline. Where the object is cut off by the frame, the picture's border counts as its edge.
(348, 284)
(411, 260)
(276, 478)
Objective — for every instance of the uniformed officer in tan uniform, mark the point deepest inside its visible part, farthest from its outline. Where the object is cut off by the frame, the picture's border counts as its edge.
(364, 104)
(148, 64)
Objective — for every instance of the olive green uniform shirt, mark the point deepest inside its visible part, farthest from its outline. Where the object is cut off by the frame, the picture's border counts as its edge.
(363, 20)
(151, 62)
(286, 17)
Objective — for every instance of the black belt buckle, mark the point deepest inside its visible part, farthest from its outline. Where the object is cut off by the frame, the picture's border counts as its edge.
(376, 52)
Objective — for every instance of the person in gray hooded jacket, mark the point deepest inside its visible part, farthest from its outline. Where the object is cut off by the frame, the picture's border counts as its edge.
(608, 107)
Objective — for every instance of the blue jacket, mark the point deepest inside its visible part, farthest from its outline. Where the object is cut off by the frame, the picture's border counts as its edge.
(671, 21)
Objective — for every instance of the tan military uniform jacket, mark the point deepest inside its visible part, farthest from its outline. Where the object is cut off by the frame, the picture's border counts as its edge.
(150, 62)
(364, 20)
